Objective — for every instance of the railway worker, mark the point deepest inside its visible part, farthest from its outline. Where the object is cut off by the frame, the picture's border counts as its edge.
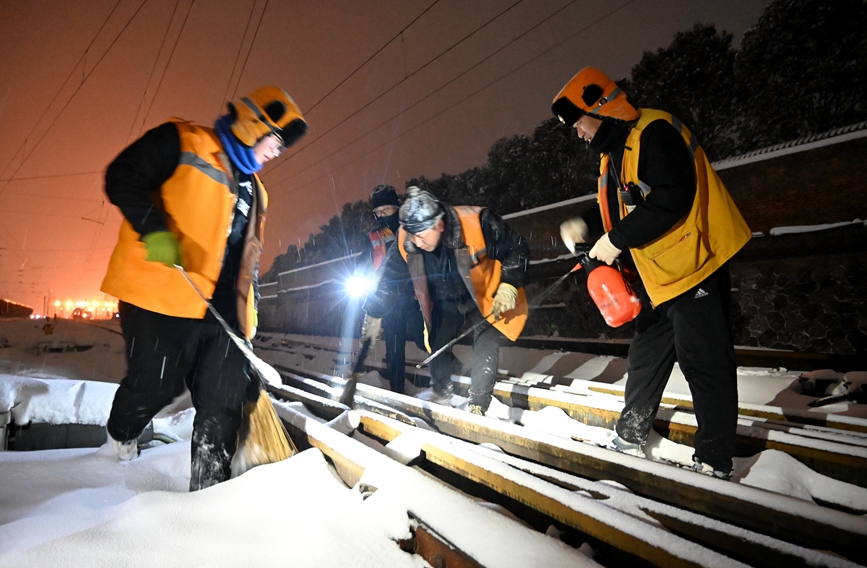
(189, 195)
(466, 265)
(664, 211)
(385, 203)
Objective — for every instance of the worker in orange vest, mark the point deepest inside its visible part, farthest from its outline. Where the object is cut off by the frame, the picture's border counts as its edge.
(190, 196)
(466, 265)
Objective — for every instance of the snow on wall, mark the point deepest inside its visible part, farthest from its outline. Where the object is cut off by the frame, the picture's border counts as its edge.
(55, 401)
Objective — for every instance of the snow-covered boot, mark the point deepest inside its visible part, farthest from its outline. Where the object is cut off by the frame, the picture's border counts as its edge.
(706, 469)
(441, 396)
(123, 450)
(627, 447)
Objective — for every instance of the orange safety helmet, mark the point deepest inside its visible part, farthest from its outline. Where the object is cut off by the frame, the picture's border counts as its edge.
(267, 110)
(593, 93)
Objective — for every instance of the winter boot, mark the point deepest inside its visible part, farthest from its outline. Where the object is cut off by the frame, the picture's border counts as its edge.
(476, 409)
(124, 451)
(627, 447)
(443, 396)
(706, 469)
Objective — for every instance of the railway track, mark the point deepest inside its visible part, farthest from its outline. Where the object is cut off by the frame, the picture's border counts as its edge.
(654, 514)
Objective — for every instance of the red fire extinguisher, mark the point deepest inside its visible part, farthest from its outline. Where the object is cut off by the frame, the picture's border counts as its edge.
(617, 301)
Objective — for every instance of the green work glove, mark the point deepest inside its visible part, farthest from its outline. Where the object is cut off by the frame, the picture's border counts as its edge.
(162, 246)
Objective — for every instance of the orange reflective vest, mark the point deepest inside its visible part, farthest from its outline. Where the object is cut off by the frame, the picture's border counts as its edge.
(479, 272)
(198, 204)
(380, 239)
(702, 241)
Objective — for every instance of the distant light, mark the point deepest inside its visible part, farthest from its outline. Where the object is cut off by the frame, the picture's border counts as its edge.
(359, 285)
(57, 304)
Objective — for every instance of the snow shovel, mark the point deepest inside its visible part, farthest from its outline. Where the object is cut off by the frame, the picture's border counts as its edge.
(263, 437)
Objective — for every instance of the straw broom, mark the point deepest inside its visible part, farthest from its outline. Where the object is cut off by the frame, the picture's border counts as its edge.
(262, 437)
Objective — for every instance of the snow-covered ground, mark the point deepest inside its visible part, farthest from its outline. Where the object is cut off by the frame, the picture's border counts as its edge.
(82, 507)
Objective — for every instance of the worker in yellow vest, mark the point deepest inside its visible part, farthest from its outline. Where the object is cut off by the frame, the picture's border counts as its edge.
(403, 321)
(190, 196)
(664, 212)
(466, 265)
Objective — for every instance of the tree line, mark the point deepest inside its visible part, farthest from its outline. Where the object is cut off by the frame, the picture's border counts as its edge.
(799, 71)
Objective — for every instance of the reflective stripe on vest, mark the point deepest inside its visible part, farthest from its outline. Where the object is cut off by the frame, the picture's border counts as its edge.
(380, 238)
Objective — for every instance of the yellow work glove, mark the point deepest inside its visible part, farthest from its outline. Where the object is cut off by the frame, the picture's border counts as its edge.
(371, 329)
(504, 299)
(572, 232)
(603, 250)
(162, 246)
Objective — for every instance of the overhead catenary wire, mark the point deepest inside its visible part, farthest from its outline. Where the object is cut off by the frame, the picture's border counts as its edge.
(377, 52)
(272, 184)
(72, 97)
(393, 87)
(240, 50)
(166, 68)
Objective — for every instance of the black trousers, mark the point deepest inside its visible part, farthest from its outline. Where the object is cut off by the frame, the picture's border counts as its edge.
(394, 334)
(486, 351)
(165, 353)
(403, 323)
(693, 329)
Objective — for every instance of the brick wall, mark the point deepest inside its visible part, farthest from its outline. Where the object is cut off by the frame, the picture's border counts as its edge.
(823, 185)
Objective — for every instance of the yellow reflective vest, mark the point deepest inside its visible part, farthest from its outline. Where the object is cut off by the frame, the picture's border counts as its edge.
(198, 204)
(702, 241)
(479, 272)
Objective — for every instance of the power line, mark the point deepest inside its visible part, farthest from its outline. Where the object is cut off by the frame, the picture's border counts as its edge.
(153, 70)
(71, 174)
(78, 88)
(378, 51)
(240, 49)
(252, 42)
(396, 85)
(171, 55)
(432, 93)
(498, 79)
(83, 55)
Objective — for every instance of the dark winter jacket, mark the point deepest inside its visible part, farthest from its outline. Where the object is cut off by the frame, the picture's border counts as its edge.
(686, 225)
(501, 244)
(664, 164)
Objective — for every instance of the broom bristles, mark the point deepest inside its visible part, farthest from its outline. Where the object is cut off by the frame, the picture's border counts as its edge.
(263, 438)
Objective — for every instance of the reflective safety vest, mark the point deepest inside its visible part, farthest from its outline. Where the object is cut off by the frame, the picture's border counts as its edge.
(699, 243)
(479, 272)
(380, 240)
(198, 204)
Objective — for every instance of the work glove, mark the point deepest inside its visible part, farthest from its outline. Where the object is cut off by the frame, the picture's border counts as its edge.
(504, 299)
(572, 232)
(162, 246)
(371, 329)
(603, 250)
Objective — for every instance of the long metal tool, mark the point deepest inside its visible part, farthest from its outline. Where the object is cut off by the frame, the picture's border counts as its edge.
(242, 345)
(475, 326)
(448, 345)
(348, 396)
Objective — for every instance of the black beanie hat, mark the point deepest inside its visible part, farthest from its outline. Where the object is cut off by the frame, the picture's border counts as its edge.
(383, 195)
